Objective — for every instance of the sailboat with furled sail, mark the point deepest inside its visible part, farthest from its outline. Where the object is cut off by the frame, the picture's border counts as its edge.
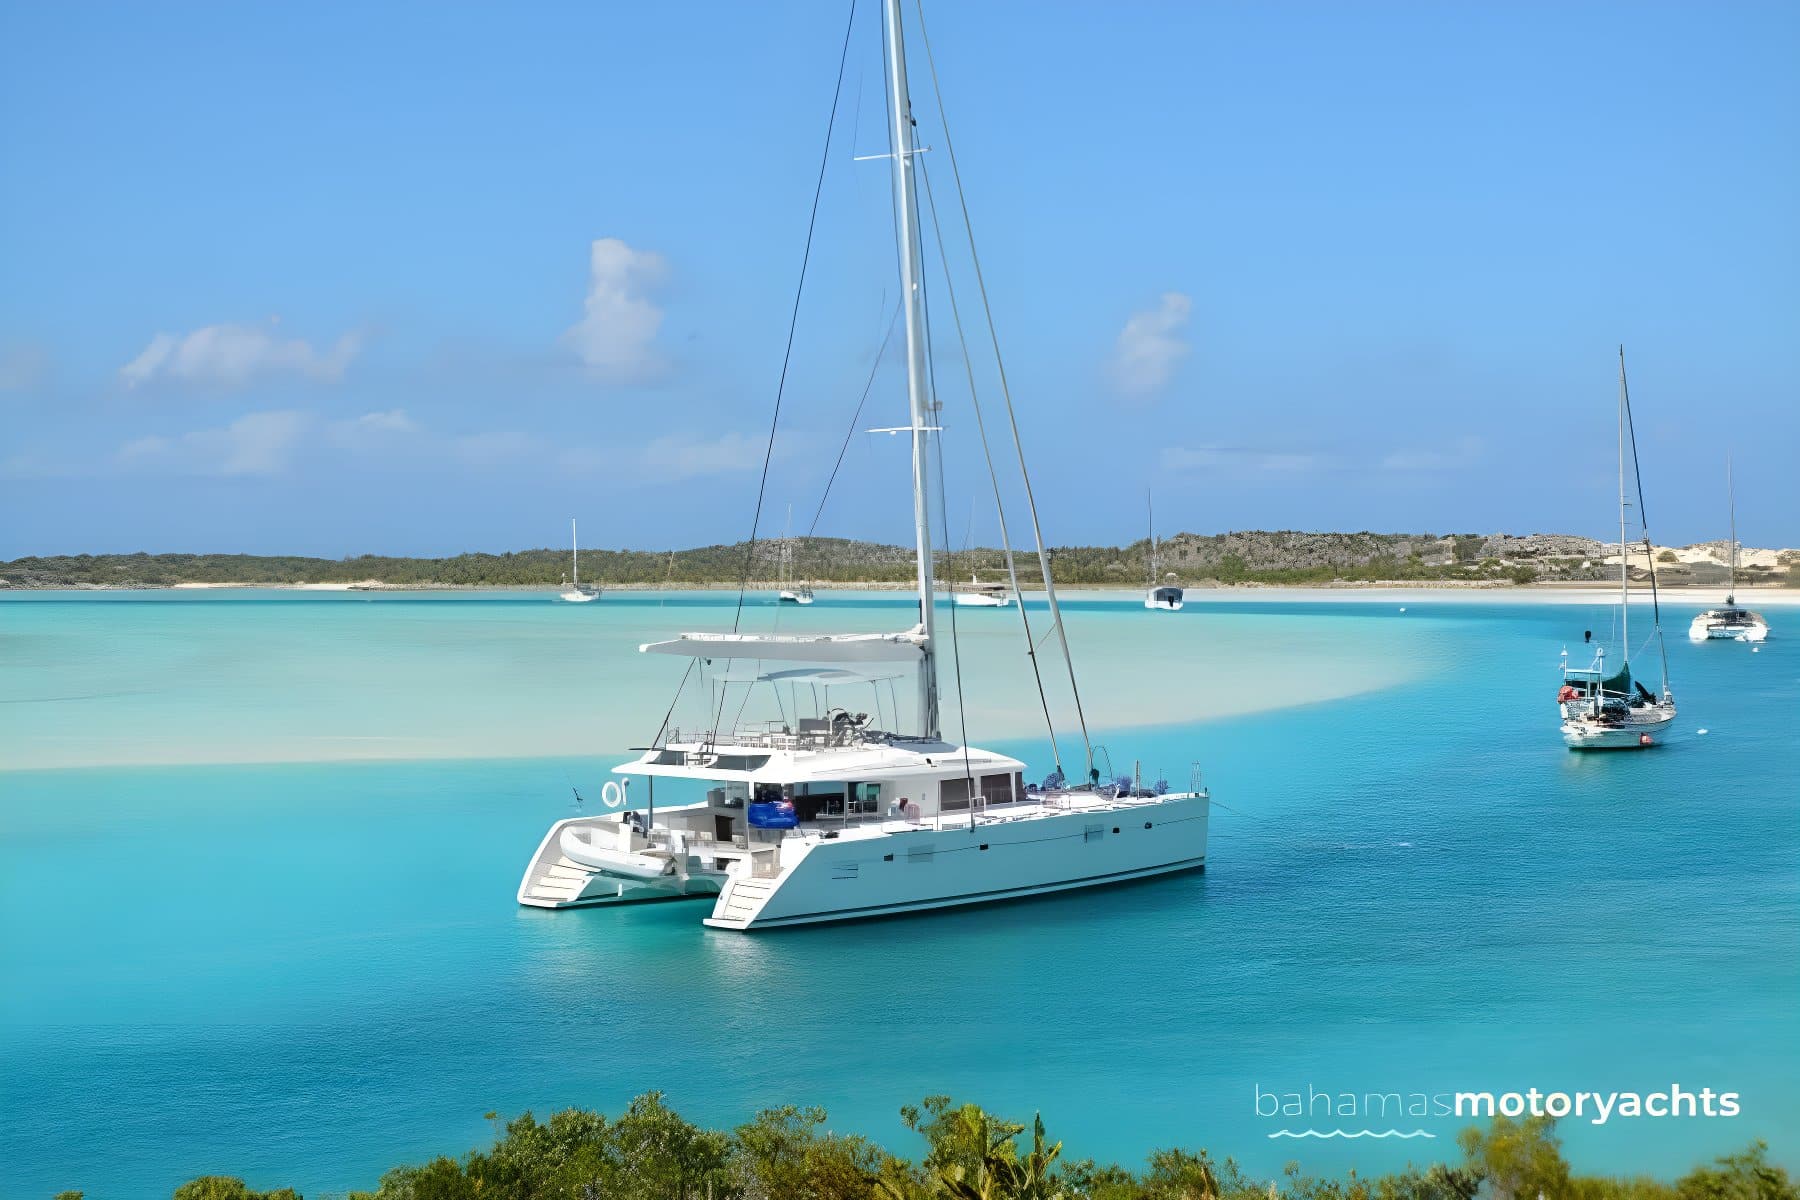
(842, 815)
(574, 591)
(1603, 707)
(1166, 596)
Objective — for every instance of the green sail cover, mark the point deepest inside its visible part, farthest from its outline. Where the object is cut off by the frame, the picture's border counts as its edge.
(1620, 683)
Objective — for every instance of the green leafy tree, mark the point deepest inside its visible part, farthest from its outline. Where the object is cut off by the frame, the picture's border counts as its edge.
(227, 1187)
(1517, 1159)
(781, 1155)
(662, 1157)
(1747, 1175)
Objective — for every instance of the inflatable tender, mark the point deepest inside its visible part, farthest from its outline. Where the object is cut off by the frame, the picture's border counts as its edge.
(773, 814)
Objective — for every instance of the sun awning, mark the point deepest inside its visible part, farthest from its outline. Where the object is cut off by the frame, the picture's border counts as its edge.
(823, 676)
(797, 647)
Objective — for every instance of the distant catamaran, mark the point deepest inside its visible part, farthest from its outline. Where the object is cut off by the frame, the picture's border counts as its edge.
(1731, 622)
(1602, 711)
(835, 817)
(573, 589)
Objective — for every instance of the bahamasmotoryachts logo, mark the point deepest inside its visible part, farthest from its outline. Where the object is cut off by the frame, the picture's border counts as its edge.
(1312, 1112)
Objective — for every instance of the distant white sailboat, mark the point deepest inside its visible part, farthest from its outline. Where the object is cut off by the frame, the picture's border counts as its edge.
(1165, 597)
(976, 594)
(1730, 623)
(788, 593)
(1602, 711)
(574, 592)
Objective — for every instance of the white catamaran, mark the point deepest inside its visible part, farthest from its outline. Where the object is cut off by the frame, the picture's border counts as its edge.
(1167, 596)
(831, 817)
(1731, 622)
(574, 591)
(1613, 711)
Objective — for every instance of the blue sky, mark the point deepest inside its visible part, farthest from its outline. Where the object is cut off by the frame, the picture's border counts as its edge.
(410, 278)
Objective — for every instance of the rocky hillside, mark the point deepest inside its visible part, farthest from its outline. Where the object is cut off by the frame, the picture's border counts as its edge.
(1283, 556)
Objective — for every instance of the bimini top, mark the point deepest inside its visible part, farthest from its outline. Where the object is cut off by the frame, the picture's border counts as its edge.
(797, 647)
(786, 758)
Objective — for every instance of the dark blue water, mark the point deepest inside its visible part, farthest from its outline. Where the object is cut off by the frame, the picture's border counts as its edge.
(304, 974)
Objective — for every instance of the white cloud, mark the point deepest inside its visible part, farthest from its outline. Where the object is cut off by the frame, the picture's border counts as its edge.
(494, 448)
(1151, 347)
(1203, 458)
(615, 334)
(686, 456)
(259, 443)
(232, 355)
(373, 430)
(1461, 454)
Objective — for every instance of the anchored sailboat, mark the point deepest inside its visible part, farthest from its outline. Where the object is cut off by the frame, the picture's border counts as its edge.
(1731, 622)
(788, 593)
(976, 594)
(843, 815)
(1168, 596)
(574, 591)
(1605, 708)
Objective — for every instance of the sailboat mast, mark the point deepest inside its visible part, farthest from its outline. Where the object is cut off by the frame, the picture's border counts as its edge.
(1731, 500)
(1150, 508)
(906, 208)
(575, 554)
(1624, 565)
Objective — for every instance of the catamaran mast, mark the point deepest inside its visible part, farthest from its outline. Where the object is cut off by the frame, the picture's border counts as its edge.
(575, 552)
(1624, 567)
(1731, 499)
(906, 208)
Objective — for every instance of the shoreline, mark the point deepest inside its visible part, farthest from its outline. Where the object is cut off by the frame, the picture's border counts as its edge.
(1550, 591)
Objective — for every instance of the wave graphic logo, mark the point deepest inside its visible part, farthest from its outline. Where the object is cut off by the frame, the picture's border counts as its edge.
(1351, 1133)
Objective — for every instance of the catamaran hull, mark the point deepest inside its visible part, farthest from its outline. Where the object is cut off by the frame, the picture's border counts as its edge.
(1639, 730)
(966, 601)
(1705, 630)
(942, 868)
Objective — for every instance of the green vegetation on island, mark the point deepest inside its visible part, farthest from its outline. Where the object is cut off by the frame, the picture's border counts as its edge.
(650, 1153)
(1285, 557)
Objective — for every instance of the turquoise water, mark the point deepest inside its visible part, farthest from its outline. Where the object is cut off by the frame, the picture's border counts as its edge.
(305, 971)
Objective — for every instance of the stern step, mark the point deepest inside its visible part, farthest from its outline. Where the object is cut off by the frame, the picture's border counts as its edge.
(740, 902)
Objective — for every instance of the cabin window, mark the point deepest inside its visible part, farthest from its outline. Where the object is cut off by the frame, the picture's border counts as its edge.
(996, 789)
(953, 794)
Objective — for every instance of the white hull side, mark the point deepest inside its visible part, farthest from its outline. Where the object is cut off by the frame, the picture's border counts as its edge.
(963, 600)
(926, 868)
(577, 597)
(1164, 605)
(794, 598)
(1704, 629)
(1580, 733)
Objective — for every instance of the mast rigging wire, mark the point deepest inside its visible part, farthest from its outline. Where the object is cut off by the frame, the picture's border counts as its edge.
(1006, 392)
(987, 454)
(868, 386)
(1637, 473)
(787, 356)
